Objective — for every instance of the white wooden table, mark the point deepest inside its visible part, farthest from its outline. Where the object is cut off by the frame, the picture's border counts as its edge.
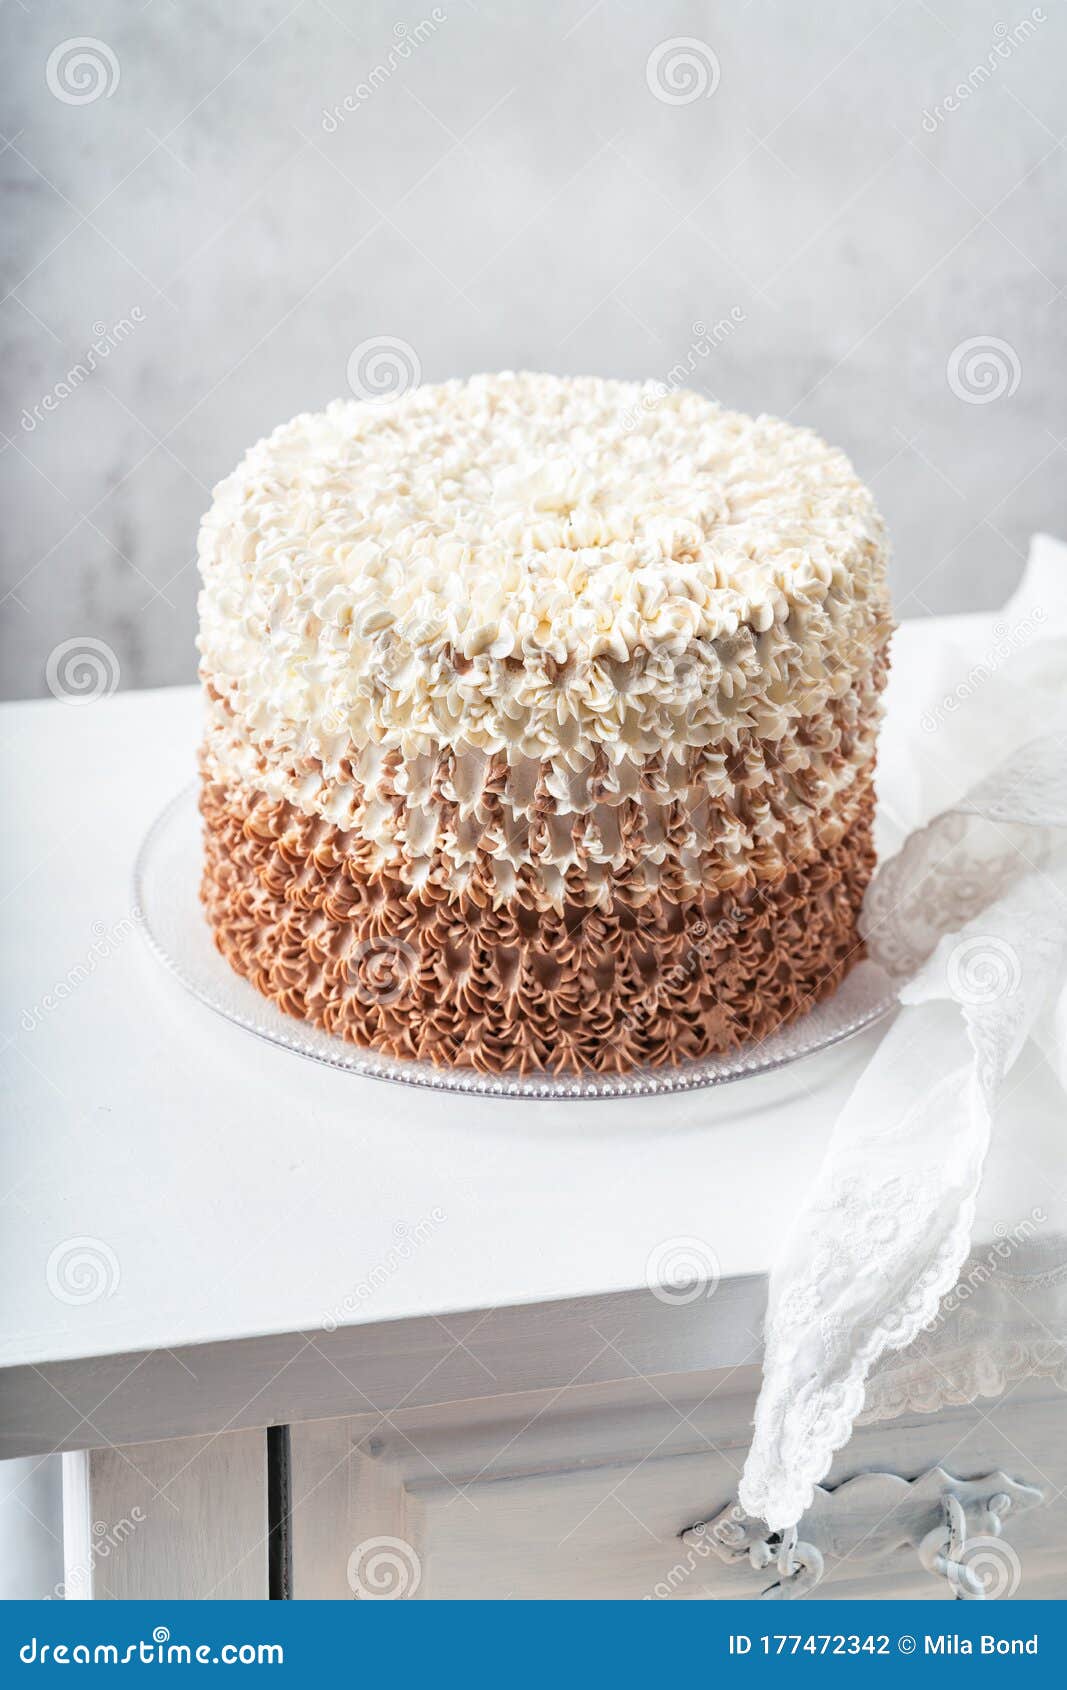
(445, 1299)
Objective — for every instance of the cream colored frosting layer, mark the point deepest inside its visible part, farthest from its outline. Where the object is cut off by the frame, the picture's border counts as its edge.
(697, 816)
(508, 567)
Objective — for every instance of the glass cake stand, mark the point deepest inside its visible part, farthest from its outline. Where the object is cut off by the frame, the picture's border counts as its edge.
(166, 893)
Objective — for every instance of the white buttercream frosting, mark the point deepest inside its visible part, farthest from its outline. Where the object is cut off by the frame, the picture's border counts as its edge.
(511, 564)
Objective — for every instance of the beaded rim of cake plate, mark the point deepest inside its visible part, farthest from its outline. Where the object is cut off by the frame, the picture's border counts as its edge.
(166, 880)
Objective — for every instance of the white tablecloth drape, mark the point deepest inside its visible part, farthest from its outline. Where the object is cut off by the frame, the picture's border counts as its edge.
(970, 917)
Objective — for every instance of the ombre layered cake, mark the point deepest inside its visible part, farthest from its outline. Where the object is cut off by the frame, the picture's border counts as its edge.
(541, 720)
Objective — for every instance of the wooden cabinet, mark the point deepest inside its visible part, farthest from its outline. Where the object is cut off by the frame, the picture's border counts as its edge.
(580, 1492)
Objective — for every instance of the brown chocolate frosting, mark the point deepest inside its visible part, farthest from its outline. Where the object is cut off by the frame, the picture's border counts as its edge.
(641, 976)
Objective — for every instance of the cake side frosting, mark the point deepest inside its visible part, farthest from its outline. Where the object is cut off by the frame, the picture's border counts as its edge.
(653, 979)
(707, 812)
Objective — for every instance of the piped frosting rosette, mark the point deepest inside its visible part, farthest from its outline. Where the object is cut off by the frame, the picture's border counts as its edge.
(492, 668)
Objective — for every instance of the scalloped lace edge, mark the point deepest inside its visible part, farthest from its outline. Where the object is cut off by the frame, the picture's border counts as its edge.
(762, 1495)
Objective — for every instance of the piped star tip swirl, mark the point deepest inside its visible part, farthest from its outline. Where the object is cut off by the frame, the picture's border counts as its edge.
(523, 677)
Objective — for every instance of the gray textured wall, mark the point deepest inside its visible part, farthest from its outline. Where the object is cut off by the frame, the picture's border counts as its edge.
(516, 191)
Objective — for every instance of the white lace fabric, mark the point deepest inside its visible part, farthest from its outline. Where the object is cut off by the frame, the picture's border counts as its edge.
(1002, 1326)
(970, 917)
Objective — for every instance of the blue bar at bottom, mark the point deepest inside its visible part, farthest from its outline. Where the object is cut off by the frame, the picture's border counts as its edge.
(537, 1644)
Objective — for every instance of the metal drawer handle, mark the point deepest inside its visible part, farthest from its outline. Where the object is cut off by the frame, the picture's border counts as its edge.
(800, 1568)
(943, 1550)
(955, 1525)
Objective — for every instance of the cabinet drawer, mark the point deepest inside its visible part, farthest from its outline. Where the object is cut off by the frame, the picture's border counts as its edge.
(584, 1493)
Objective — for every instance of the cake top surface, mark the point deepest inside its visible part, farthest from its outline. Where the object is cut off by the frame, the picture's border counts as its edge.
(472, 548)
